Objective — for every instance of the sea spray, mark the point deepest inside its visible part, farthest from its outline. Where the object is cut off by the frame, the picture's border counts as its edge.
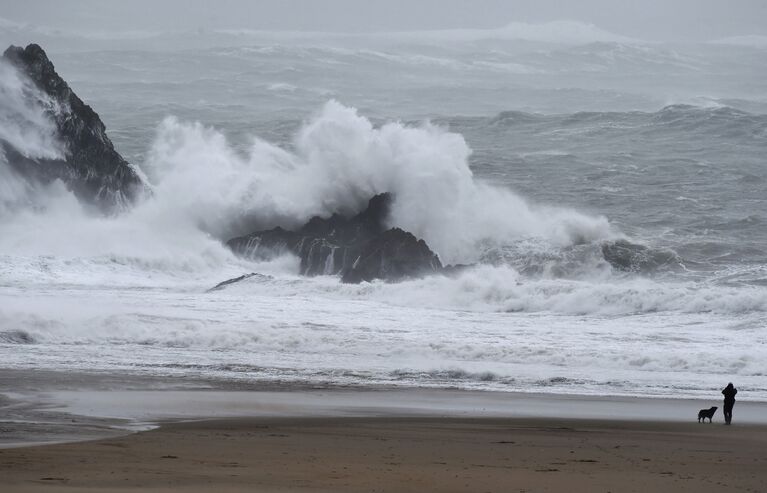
(25, 112)
(340, 160)
(542, 310)
(203, 191)
(26, 126)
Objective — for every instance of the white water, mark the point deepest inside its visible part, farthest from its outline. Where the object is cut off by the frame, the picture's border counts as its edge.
(542, 311)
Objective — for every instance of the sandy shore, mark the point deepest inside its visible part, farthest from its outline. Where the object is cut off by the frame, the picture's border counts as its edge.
(215, 436)
(402, 455)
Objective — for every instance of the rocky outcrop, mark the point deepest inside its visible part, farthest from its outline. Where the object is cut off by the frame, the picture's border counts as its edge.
(235, 280)
(631, 257)
(358, 248)
(393, 255)
(90, 167)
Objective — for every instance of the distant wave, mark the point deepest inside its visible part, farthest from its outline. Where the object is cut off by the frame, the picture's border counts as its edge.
(558, 32)
(555, 32)
(699, 119)
(690, 110)
(752, 40)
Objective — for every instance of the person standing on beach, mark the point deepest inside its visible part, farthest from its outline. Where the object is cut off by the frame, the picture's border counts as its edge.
(729, 401)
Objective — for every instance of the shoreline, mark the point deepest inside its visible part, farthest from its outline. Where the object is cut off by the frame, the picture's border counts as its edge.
(118, 433)
(401, 454)
(52, 407)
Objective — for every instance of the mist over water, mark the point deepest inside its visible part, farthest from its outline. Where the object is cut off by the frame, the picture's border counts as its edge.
(513, 150)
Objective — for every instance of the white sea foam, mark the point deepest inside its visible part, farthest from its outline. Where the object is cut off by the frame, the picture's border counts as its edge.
(25, 126)
(544, 311)
(314, 330)
(340, 160)
(25, 123)
(501, 289)
(204, 191)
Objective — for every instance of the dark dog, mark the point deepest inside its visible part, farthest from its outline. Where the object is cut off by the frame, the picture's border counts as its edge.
(706, 413)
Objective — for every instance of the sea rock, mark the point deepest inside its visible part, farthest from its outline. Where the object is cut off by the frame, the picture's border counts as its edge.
(631, 257)
(235, 280)
(358, 248)
(393, 255)
(91, 167)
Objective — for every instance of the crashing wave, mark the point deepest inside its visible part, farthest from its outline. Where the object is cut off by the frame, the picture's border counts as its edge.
(205, 192)
(47, 133)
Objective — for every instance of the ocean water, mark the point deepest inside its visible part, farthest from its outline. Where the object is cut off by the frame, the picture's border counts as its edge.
(521, 157)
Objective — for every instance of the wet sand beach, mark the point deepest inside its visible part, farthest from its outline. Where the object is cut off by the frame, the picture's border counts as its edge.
(128, 433)
(402, 455)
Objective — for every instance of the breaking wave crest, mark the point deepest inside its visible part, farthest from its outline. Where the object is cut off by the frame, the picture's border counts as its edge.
(205, 191)
(531, 258)
(685, 119)
(501, 288)
(338, 161)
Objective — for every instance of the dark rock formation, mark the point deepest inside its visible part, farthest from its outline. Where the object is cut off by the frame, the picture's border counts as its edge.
(631, 257)
(91, 167)
(235, 280)
(360, 248)
(393, 255)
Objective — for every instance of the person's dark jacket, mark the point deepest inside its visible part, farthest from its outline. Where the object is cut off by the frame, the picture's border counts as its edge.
(729, 394)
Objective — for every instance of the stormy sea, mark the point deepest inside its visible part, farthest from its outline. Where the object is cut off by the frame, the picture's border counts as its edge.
(595, 206)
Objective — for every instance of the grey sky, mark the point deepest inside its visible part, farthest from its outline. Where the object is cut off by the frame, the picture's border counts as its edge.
(646, 19)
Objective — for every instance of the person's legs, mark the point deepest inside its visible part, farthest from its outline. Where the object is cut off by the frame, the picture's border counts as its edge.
(728, 413)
